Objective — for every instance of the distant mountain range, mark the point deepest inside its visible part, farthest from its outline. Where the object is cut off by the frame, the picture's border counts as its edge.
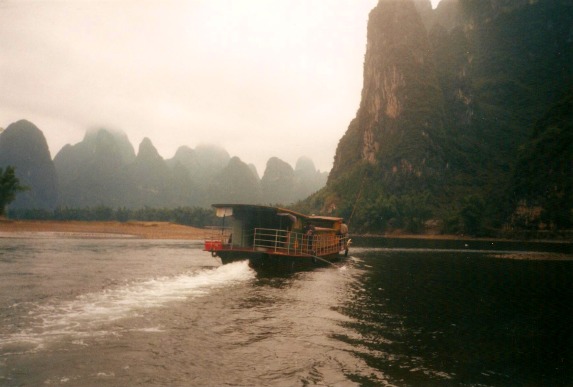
(104, 170)
(465, 125)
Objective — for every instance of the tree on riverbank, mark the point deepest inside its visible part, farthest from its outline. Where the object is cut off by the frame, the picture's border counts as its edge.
(9, 186)
(189, 216)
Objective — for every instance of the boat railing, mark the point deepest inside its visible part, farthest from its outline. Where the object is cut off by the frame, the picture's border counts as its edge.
(293, 243)
(275, 241)
(219, 234)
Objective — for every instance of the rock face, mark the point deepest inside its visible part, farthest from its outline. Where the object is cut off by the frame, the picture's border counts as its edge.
(307, 178)
(24, 146)
(543, 177)
(399, 124)
(449, 97)
(281, 184)
(236, 183)
(204, 162)
(149, 178)
(278, 182)
(92, 172)
(103, 170)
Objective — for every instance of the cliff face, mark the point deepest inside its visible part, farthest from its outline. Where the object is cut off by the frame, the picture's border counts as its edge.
(236, 183)
(543, 174)
(307, 178)
(278, 182)
(149, 178)
(103, 169)
(399, 124)
(448, 99)
(24, 146)
(91, 171)
(203, 162)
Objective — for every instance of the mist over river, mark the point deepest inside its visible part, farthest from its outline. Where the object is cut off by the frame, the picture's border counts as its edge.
(127, 312)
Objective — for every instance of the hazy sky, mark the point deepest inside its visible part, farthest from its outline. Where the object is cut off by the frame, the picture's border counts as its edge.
(261, 78)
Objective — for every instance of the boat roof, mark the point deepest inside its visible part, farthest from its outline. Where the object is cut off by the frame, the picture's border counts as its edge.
(261, 208)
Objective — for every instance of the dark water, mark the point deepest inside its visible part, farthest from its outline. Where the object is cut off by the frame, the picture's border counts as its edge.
(153, 313)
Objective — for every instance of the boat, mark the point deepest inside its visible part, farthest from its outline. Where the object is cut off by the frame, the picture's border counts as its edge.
(276, 237)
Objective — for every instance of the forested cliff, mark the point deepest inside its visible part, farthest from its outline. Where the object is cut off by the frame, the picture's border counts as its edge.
(454, 102)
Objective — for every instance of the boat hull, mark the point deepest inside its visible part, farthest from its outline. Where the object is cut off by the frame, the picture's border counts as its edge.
(264, 260)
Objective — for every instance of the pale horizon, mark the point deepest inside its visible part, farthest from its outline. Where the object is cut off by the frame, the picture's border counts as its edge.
(258, 78)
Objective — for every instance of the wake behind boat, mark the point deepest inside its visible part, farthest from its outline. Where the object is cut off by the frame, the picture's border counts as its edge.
(273, 236)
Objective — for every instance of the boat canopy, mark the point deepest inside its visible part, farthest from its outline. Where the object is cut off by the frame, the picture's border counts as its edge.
(267, 216)
(228, 210)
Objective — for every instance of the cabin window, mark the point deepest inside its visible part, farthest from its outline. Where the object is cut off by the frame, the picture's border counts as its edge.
(224, 211)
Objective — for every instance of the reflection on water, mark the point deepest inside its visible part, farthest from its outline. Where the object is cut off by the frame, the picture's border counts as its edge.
(461, 245)
(434, 317)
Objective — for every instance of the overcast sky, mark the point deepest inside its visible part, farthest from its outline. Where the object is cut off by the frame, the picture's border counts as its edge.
(260, 78)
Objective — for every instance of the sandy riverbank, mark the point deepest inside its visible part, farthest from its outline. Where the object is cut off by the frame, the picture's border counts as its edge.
(79, 229)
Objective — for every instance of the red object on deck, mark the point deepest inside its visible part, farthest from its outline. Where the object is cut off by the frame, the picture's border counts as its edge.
(213, 245)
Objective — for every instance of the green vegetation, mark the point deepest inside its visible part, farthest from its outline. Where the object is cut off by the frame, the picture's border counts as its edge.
(190, 216)
(543, 176)
(483, 139)
(9, 186)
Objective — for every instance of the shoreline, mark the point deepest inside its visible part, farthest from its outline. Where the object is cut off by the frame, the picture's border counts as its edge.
(169, 230)
(99, 229)
(172, 231)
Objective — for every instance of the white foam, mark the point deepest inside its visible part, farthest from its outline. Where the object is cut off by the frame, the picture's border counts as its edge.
(88, 314)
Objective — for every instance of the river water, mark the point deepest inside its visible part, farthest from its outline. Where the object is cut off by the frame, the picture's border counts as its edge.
(125, 312)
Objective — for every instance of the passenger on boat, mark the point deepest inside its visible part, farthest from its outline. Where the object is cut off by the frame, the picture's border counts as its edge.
(309, 233)
(344, 229)
(343, 233)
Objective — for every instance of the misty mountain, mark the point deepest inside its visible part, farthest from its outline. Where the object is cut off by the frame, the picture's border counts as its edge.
(278, 182)
(104, 170)
(283, 184)
(464, 122)
(397, 137)
(148, 177)
(308, 179)
(204, 162)
(91, 172)
(236, 183)
(24, 146)
(449, 97)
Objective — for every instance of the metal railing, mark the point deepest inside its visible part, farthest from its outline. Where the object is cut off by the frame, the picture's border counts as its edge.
(214, 233)
(292, 243)
(279, 241)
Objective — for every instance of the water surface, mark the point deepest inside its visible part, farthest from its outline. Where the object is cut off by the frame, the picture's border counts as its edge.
(84, 312)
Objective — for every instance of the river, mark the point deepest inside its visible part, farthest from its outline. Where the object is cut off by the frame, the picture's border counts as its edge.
(126, 312)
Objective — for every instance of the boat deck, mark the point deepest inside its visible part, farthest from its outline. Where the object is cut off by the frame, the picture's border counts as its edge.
(279, 242)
